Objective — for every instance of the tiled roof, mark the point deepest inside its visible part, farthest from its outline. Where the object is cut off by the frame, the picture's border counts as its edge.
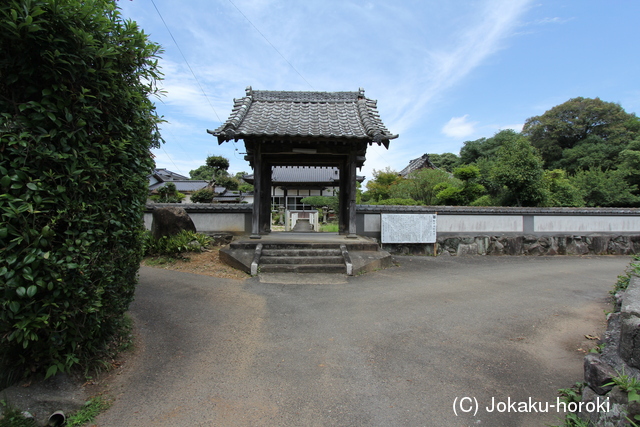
(419, 163)
(167, 175)
(181, 186)
(304, 114)
(304, 174)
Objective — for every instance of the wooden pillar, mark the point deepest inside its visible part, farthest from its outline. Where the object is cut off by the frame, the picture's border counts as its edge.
(351, 197)
(265, 204)
(343, 216)
(257, 192)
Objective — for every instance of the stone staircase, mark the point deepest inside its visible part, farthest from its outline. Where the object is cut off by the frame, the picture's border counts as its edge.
(344, 257)
(302, 258)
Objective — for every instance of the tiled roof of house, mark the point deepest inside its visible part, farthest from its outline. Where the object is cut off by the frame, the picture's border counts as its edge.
(419, 163)
(304, 174)
(337, 115)
(167, 175)
(182, 186)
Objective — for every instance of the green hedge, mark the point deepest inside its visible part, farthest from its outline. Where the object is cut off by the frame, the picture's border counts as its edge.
(76, 126)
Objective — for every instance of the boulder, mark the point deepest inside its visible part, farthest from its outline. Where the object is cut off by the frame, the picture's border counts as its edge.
(170, 221)
(598, 374)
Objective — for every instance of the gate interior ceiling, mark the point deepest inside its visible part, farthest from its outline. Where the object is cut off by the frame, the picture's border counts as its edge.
(283, 128)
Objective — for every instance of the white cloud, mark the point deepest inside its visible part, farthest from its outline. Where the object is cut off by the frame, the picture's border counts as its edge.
(517, 127)
(459, 127)
(448, 65)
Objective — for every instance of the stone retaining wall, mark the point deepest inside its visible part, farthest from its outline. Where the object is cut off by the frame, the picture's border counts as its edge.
(521, 245)
(211, 218)
(620, 356)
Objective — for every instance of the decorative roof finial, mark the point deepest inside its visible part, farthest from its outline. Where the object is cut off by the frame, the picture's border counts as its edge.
(249, 91)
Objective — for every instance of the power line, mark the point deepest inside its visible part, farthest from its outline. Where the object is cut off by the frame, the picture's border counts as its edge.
(271, 44)
(185, 60)
(174, 163)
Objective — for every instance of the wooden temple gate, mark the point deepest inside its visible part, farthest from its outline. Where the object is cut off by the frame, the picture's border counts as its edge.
(281, 128)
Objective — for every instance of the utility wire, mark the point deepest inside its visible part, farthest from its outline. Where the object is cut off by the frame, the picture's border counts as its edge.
(185, 60)
(174, 163)
(271, 44)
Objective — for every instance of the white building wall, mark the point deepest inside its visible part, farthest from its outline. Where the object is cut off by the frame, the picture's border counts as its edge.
(590, 224)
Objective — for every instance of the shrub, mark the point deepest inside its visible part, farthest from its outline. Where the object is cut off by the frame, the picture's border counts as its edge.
(168, 194)
(204, 195)
(76, 126)
(186, 241)
(397, 202)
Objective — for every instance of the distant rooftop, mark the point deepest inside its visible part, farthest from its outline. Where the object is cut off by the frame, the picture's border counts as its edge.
(329, 176)
(416, 164)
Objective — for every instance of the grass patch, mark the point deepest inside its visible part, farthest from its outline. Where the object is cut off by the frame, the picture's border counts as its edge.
(623, 280)
(174, 246)
(12, 417)
(91, 410)
(329, 228)
(160, 261)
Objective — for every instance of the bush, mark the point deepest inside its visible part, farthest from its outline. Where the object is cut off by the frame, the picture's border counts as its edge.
(204, 195)
(76, 126)
(186, 241)
(168, 194)
(397, 202)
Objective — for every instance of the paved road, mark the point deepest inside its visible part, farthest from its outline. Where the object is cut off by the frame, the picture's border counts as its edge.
(390, 348)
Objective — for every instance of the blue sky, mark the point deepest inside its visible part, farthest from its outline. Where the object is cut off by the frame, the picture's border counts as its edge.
(443, 72)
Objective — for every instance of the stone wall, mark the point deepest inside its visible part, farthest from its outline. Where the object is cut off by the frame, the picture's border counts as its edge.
(620, 356)
(465, 230)
(465, 245)
(211, 218)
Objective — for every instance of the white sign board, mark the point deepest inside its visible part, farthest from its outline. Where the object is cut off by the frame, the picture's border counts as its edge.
(408, 228)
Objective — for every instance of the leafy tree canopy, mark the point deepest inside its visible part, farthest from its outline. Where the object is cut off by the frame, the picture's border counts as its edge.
(421, 185)
(203, 172)
(580, 120)
(485, 147)
(446, 161)
(605, 188)
(518, 168)
(465, 193)
(378, 188)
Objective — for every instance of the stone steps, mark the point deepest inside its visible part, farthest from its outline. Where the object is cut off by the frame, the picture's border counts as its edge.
(324, 255)
(303, 268)
(284, 258)
(308, 259)
(302, 252)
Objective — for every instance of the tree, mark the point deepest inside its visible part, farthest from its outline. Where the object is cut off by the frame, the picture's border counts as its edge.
(215, 171)
(330, 202)
(518, 168)
(168, 194)
(605, 188)
(561, 191)
(378, 189)
(630, 164)
(204, 195)
(76, 127)
(446, 161)
(421, 185)
(465, 193)
(203, 173)
(580, 120)
(214, 166)
(244, 186)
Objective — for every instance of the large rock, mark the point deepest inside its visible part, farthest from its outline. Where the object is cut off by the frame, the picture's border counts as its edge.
(170, 221)
(598, 374)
